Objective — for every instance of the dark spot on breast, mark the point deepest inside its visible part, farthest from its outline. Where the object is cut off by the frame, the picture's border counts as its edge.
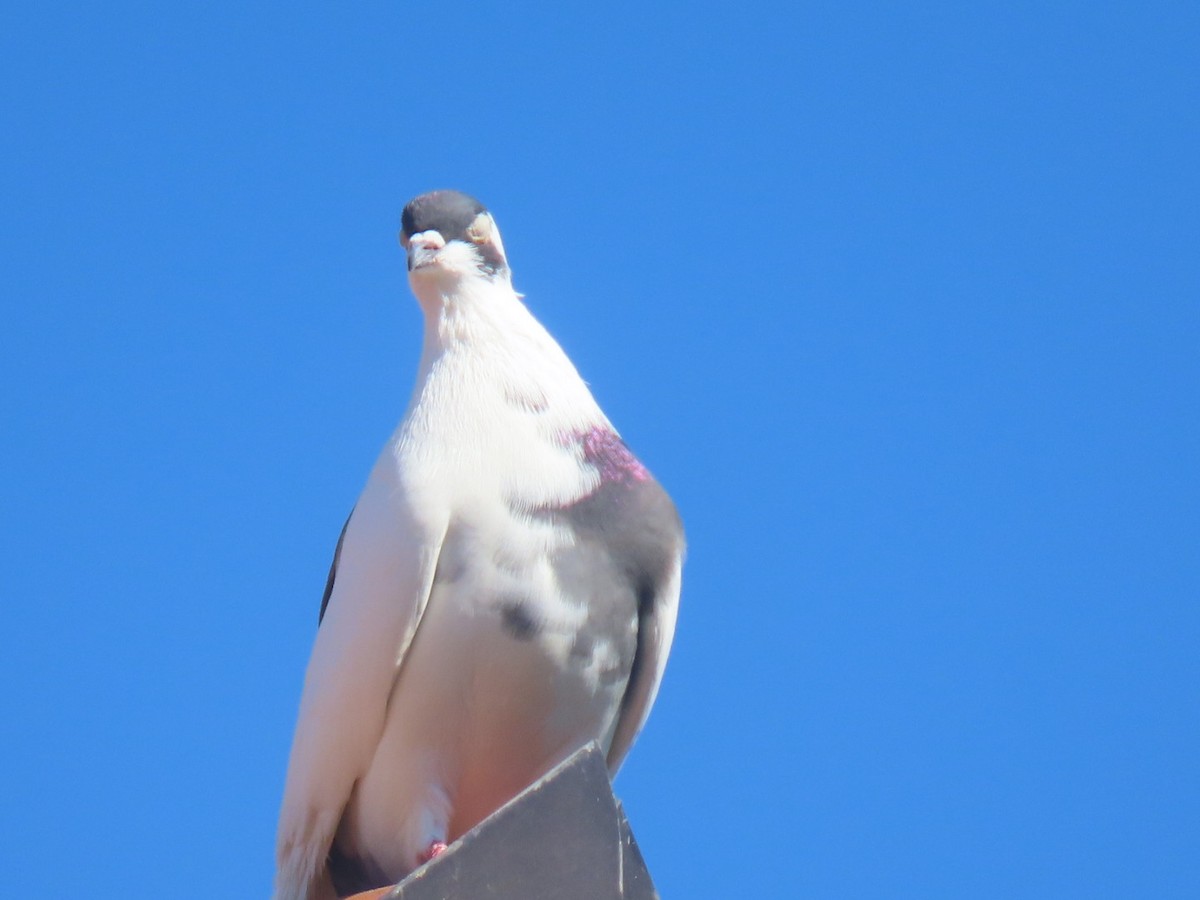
(583, 647)
(518, 621)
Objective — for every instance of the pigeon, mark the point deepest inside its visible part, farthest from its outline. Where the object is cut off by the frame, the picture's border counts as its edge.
(503, 593)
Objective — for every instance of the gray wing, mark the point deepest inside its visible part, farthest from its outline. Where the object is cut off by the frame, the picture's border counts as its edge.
(654, 545)
(632, 537)
(337, 555)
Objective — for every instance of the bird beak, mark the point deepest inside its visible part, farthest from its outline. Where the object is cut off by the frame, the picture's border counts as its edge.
(423, 249)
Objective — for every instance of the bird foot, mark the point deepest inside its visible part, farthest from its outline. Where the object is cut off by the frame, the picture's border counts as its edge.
(435, 849)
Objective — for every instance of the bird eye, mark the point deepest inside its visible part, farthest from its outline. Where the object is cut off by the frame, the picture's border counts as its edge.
(480, 230)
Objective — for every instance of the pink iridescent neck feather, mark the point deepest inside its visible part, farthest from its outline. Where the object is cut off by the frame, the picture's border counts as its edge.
(608, 453)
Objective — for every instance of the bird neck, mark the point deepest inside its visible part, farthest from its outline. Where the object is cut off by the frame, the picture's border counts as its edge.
(470, 311)
(481, 338)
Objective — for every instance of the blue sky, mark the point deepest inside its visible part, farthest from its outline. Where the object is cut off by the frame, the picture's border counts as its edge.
(900, 302)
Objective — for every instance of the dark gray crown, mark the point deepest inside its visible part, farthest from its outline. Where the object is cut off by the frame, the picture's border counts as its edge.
(447, 212)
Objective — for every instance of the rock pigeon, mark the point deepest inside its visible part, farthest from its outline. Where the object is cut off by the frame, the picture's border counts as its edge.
(504, 592)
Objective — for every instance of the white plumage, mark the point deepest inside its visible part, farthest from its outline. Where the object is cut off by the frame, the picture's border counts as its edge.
(504, 591)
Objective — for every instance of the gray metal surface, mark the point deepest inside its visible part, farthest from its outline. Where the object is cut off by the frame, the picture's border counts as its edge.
(564, 837)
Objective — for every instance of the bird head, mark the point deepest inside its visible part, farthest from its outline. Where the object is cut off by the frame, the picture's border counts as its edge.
(449, 237)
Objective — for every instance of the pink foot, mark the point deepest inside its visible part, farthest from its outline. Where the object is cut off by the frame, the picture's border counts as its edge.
(436, 849)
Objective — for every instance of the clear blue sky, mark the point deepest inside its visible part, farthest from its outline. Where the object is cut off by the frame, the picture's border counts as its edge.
(900, 301)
